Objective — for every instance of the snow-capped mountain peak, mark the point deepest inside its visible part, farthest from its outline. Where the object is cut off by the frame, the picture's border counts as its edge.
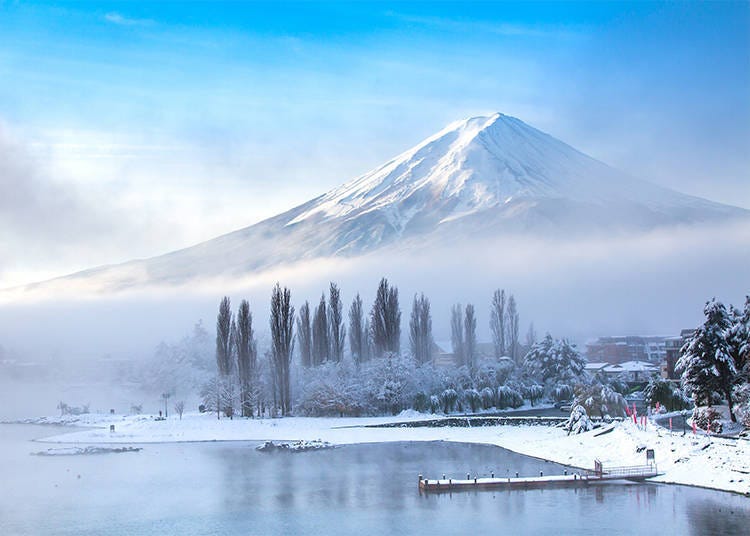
(473, 165)
(477, 178)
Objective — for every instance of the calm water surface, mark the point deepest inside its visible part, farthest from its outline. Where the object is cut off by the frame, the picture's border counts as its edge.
(229, 488)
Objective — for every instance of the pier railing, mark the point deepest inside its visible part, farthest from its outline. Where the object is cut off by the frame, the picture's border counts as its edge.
(632, 471)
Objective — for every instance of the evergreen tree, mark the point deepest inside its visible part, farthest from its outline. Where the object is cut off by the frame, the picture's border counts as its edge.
(385, 320)
(706, 363)
(420, 330)
(304, 335)
(554, 362)
(337, 331)
(457, 335)
(497, 323)
(320, 343)
(738, 338)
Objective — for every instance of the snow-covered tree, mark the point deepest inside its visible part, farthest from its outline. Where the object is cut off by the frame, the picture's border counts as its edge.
(706, 363)
(579, 421)
(738, 337)
(282, 343)
(666, 394)
(420, 330)
(507, 397)
(320, 333)
(554, 362)
(530, 336)
(357, 331)
(223, 351)
(601, 399)
(470, 338)
(304, 335)
(457, 334)
(337, 331)
(385, 320)
(246, 358)
(512, 325)
(497, 322)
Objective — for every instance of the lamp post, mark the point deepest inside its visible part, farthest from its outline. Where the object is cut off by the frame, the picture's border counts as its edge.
(165, 396)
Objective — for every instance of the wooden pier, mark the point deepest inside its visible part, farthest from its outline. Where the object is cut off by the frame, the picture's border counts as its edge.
(636, 473)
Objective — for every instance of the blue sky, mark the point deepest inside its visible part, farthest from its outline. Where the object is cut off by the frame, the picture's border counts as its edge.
(176, 122)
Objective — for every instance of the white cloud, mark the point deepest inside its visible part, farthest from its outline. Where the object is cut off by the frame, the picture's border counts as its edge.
(122, 20)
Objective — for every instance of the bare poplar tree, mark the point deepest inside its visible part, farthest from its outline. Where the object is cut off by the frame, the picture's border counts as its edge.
(385, 320)
(357, 334)
(512, 329)
(320, 345)
(223, 349)
(420, 330)
(282, 342)
(304, 335)
(337, 331)
(457, 334)
(246, 358)
(530, 336)
(497, 322)
(470, 338)
(368, 348)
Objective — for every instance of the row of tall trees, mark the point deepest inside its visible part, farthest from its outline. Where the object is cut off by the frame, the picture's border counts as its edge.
(320, 334)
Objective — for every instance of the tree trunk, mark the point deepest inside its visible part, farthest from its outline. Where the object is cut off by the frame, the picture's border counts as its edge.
(731, 405)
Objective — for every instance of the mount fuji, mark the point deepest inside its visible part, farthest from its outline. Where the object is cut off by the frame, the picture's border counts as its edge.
(481, 177)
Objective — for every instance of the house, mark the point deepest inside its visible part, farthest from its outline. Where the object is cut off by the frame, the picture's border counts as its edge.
(632, 371)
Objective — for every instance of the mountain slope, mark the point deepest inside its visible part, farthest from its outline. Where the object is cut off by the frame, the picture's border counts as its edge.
(478, 177)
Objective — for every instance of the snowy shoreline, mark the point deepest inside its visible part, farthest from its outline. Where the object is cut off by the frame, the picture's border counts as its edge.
(700, 461)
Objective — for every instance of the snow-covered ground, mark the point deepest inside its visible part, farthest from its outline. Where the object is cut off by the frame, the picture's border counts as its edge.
(717, 463)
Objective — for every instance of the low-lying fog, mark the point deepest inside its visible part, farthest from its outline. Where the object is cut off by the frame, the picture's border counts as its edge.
(73, 344)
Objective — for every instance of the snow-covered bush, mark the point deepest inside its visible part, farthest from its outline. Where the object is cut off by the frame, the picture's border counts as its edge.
(448, 399)
(473, 399)
(579, 421)
(435, 404)
(421, 402)
(507, 397)
(488, 397)
(533, 392)
(707, 418)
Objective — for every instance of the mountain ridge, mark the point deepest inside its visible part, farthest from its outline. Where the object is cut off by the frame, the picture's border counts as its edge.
(477, 177)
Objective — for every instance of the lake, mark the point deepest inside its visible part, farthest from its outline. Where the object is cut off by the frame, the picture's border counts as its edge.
(230, 488)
